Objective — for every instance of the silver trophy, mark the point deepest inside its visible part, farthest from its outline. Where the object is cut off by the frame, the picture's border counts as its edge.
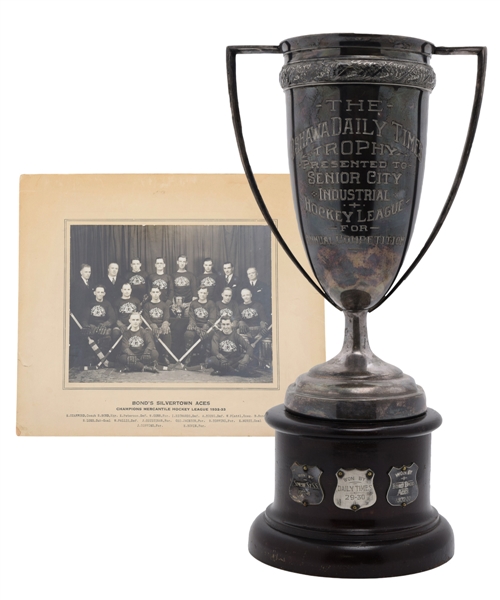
(357, 110)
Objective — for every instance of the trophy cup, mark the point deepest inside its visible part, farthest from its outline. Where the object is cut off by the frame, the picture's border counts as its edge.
(353, 435)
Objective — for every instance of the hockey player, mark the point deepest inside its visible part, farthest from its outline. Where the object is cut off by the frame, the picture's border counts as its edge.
(210, 280)
(253, 317)
(178, 325)
(184, 283)
(162, 280)
(184, 293)
(156, 314)
(253, 323)
(124, 307)
(202, 315)
(98, 320)
(228, 307)
(137, 279)
(138, 352)
(230, 352)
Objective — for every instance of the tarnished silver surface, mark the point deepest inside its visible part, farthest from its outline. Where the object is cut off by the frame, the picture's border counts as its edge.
(354, 489)
(378, 71)
(357, 113)
(305, 487)
(403, 489)
(356, 384)
(357, 122)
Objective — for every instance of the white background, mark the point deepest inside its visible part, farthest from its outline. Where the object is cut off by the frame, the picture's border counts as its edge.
(120, 87)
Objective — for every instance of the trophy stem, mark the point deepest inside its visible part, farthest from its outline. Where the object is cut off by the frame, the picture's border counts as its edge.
(356, 348)
(356, 333)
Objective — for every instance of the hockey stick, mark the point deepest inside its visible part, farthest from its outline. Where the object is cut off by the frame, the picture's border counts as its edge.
(259, 337)
(161, 341)
(93, 345)
(111, 349)
(115, 344)
(199, 341)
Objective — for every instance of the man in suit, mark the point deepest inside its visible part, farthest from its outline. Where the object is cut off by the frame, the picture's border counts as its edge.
(112, 283)
(81, 295)
(261, 292)
(232, 280)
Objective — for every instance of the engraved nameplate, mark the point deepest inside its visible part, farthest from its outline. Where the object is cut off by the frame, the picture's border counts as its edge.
(354, 489)
(403, 489)
(305, 487)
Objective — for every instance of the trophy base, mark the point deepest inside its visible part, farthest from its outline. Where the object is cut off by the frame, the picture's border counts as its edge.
(356, 385)
(352, 499)
(348, 560)
(359, 405)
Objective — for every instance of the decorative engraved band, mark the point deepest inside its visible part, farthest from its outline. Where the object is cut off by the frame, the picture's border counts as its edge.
(375, 71)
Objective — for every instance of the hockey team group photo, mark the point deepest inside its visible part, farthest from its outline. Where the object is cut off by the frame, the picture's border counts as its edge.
(170, 304)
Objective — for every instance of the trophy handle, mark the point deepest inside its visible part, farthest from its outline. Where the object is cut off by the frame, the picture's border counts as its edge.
(480, 52)
(231, 53)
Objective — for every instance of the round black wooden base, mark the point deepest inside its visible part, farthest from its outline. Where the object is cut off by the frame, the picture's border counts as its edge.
(304, 531)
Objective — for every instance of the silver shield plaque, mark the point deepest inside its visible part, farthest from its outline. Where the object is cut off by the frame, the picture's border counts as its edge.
(305, 486)
(354, 489)
(403, 489)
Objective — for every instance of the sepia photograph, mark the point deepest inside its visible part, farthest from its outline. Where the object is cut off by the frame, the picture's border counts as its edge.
(175, 303)
(182, 325)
